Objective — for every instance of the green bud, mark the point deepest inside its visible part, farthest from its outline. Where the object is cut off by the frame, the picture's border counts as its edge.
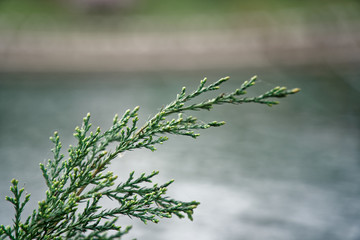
(295, 90)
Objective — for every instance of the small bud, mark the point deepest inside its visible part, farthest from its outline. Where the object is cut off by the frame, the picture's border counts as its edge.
(295, 90)
(14, 181)
(116, 117)
(239, 92)
(276, 88)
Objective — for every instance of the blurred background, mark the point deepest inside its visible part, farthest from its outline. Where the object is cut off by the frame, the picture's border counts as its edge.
(284, 173)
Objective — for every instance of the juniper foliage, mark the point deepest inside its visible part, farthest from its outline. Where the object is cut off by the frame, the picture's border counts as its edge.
(76, 184)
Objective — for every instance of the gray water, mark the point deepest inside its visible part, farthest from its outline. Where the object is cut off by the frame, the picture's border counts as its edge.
(289, 172)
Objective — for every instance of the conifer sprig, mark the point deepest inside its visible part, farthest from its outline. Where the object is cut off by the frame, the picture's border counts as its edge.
(72, 206)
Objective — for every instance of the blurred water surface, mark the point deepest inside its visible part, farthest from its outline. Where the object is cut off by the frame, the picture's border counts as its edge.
(289, 172)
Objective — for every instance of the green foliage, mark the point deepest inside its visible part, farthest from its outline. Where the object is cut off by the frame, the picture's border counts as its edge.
(72, 207)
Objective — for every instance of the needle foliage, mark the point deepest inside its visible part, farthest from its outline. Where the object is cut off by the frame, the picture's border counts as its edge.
(77, 183)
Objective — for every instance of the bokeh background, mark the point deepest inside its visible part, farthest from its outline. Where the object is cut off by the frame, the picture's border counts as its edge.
(289, 172)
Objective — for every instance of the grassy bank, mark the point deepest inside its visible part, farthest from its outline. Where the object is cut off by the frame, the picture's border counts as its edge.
(170, 14)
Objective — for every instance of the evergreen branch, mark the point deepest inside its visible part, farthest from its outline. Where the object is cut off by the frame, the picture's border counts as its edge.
(76, 185)
(15, 232)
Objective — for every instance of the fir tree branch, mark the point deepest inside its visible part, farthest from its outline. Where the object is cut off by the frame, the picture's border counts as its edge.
(76, 185)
